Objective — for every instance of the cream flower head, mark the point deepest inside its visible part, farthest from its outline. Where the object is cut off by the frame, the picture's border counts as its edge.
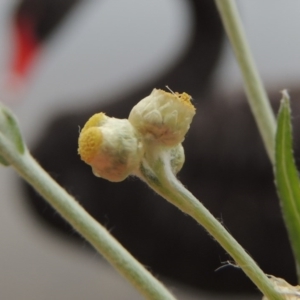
(110, 146)
(163, 117)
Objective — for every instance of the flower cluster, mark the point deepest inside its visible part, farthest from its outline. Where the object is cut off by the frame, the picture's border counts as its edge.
(114, 148)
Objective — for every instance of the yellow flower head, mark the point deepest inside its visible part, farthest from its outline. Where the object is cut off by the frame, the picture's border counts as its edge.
(163, 117)
(110, 146)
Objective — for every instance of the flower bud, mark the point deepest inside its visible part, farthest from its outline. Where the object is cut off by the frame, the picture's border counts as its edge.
(110, 146)
(163, 117)
(177, 158)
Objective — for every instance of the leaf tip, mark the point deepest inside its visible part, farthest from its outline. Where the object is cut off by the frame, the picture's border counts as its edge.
(285, 97)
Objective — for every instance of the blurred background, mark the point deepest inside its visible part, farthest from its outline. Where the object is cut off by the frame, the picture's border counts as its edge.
(62, 61)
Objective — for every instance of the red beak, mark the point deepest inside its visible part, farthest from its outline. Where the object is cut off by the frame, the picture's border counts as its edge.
(26, 47)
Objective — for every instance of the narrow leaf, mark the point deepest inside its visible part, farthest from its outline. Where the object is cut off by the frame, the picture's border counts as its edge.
(13, 130)
(10, 129)
(286, 176)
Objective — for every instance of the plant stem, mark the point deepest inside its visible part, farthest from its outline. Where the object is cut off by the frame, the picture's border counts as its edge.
(88, 227)
(256, 94)
(164, 182)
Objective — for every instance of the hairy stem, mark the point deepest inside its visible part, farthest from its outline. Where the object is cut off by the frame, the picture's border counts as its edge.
(256, 94)
(88, 227)
(161, 179)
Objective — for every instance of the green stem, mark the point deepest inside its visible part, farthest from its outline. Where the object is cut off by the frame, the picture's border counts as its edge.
(161, 179)
(256, 94)
(88, 227)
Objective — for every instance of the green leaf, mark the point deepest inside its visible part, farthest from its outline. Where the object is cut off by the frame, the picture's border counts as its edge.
(286, 176)
(10, 129)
